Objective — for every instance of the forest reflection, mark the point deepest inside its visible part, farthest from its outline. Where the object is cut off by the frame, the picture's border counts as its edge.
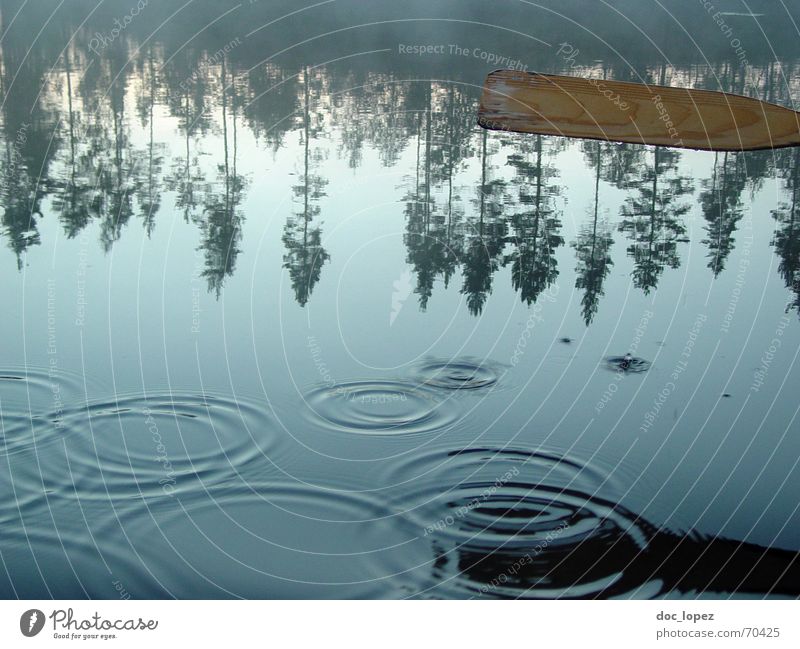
(81, 145)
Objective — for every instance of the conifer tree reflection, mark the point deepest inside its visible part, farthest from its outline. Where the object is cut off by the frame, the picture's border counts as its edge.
(653, 219)
(272, 97)
(74, 191)
(382, 112)
(421, 221)
(222, 219)
(594, 242)
(758, 165)
(19, 203)
(486, 234)
(456, 147)
(434, 232)
(118, 163)
(787, 233)
(624, 163)
(537, 227)
(186, 177)
(388, 126)
(149, 196)
(347, 109)
(110, 165)
(187, 88)
(417, 212)
(305, 254)
(26, 156)
(722, 207)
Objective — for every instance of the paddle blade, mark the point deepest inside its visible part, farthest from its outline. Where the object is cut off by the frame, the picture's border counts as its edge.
(618, 111)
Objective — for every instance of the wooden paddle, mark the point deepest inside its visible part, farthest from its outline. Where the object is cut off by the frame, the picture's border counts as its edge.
(618, 111)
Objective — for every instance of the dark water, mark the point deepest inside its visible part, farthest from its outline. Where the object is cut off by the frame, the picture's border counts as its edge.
(281, 321)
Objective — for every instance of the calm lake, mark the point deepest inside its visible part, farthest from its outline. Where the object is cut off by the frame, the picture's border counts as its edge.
(282, 321)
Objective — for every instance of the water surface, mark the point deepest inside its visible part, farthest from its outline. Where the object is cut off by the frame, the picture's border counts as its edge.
(282, 321)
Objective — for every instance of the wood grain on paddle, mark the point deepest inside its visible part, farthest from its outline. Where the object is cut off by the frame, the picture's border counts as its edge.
(630, 112)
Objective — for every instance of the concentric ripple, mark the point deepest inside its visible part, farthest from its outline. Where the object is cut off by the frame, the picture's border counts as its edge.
(37, 387)
(32, 403)
(380, 408)
(280, 540)
(548, 466)
(71, 563)
(517, 523)
(21, 432)
(631, 364)
(159, 446)
(459, 374)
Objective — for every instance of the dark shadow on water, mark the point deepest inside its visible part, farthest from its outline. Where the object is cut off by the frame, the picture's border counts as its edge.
(609, 560)
(526, 524)
(481, 522)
